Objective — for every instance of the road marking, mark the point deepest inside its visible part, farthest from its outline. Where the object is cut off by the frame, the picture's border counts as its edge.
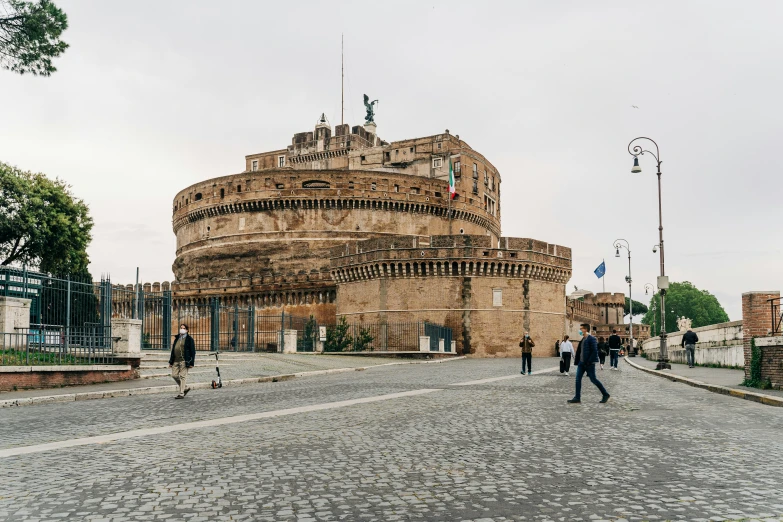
(112, 437)
(494, 379)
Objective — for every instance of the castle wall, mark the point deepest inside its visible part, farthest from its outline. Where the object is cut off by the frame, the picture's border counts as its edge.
(454, 281)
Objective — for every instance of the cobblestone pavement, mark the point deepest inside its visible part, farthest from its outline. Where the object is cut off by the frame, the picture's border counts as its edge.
(509, 449)
(727, 377)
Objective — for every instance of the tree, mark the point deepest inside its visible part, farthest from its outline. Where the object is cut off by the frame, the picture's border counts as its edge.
(30, 36)
(685, 300)
(337, 337)
(638, 308)
(42, 224)
(363, 340)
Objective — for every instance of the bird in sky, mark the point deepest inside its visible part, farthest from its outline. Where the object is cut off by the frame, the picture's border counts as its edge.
(634, 106)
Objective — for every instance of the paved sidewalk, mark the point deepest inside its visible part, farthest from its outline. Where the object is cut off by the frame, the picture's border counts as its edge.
(718, 376)
(232, 366)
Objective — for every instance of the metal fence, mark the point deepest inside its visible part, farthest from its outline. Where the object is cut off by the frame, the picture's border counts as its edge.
(388, 337)
(777, 314)
(48, 345)
(70, 319)
(218, 327)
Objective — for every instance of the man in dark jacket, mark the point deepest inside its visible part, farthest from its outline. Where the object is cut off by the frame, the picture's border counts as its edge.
(615, 343)
(527, 344)
(689, 341)
(183, 357)
(586, 364)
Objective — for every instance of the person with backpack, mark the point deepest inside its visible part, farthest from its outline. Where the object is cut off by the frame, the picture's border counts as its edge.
(603, 351)
(566, 352)
(689, 340)
(527, 344)
(615, 343)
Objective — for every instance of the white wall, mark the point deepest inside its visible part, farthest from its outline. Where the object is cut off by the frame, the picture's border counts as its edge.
(718, 344)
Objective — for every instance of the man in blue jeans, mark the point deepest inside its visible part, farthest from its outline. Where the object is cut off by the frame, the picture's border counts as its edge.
(589, 357)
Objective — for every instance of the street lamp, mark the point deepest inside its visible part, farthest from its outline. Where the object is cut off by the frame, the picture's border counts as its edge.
(618, 244)
(663, 282)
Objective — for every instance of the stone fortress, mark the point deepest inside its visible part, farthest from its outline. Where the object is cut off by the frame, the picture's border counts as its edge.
(344, 224)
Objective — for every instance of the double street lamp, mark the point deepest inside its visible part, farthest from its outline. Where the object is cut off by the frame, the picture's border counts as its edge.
(618, 244)
(663, 282)
(649, 287)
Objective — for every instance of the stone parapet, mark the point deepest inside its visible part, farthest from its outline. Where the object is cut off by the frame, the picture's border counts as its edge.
(444, 256)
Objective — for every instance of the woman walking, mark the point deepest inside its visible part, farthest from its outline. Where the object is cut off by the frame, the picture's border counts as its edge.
(183, 357)
(566, 351)
(603, 350)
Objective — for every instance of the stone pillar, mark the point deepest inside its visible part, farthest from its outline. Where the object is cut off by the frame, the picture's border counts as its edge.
(129, 332)
(289, 338)
(756, 319)
(14, 314)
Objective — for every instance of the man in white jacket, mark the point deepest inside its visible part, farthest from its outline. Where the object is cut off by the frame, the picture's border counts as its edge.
(566, 353)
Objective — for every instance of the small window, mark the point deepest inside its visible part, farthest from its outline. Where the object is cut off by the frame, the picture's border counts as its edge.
(279, 186)
(437, 163)
(362, 158)
(414, 190)
(396, 188)
(222, 192)
(475, 170)
(475, 186)
(461, 230)
(387, 156)
(397, 152)
(439, 146)
(486, 179)
(373, 186)
(485, 254)
(411, 149)
(513, 254)
(239, 188)
(438, 195)
(281, 161)
(457, 167)
(497, 297)
(255, 165)
(350, 185)
(198, 196)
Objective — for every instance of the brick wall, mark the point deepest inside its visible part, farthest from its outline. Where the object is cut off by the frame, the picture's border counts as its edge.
(49, 379)
(756, 319)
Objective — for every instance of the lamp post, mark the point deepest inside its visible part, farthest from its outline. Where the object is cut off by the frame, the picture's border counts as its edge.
(618, 244)
(663, 282)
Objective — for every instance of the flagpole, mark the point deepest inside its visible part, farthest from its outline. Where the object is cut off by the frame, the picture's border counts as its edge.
(603, 279)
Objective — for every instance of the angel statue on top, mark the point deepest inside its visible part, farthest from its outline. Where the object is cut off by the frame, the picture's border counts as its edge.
(370, 111)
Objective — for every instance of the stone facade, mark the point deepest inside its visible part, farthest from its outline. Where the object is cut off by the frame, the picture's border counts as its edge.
(263, 236)
(487, 294)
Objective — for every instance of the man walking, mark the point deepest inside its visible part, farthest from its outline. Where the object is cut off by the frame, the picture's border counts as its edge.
(689, 340)
(183, 357)
(615, 343)
(566, 351)
(589, 357)
(527, 344)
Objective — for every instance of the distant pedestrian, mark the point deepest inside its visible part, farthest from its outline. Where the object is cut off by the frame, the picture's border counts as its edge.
(586, 365)
(566, 352)
(183, 357)
(603, 351)
(557, 348)
(527, 344)
(689, 340)
(615, 343)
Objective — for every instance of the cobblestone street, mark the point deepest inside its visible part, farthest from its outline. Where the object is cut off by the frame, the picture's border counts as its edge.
(461, 440)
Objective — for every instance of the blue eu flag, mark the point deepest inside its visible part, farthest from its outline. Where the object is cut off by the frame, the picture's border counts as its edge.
(601, 270)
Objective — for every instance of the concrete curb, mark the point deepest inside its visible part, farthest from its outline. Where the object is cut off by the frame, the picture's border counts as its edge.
(769, 400)
(86, 396)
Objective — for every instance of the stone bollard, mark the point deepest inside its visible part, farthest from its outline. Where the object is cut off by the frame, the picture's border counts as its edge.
(127, 349)
(290, 339)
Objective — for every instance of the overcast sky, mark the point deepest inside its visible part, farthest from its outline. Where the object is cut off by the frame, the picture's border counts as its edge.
(153, 96)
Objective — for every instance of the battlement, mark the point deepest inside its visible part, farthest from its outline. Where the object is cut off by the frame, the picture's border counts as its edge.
(453, 255)
(606, 299)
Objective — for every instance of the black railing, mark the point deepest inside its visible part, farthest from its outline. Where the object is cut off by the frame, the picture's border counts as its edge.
(45, 345)
(777, 314)
(389, 337)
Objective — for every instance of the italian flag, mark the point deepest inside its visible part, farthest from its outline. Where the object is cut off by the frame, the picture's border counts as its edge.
(452, 187)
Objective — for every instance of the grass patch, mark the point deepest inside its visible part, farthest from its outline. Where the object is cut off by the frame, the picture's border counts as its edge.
(20, 358)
